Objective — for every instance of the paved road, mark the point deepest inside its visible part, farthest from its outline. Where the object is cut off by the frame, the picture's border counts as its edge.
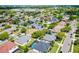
(66, 45)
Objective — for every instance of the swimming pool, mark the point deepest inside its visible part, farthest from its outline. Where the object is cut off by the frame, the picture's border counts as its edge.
(33, 45)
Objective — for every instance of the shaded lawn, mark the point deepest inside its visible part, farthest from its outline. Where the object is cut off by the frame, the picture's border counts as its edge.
(76, 48)
(59, 41)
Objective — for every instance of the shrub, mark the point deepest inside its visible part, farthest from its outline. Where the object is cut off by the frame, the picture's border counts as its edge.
(61, 35)
(23, 30)
(4, 36)
(52, 25)
(7, 26)
(67, 28)
(23, 48)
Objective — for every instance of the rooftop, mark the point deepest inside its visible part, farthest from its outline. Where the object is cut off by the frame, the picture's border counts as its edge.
(41, 46)
(37, 26)
(6, 47)
(49, 37)
(23, 39)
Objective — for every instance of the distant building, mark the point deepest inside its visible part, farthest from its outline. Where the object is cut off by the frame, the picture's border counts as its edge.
(52, 20)
(37, 26)
(9, 30)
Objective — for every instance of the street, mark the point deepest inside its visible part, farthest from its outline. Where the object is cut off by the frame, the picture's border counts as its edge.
(67, 42)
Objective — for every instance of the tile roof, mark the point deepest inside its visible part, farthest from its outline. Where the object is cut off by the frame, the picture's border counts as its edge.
(6, 47)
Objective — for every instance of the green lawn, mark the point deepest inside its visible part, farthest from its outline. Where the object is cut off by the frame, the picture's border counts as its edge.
(59, 41)
(54, 48)
(70, 48)
(76, 48)
(30, 42)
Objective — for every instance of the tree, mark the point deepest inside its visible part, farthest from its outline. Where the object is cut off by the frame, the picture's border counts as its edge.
(15, 21)
(72, 17)
(78, 25)
(23, 48)
(77, 31)
(52, 25)
(76, 42)
(67, 28)
(7, 26)
(39, 33)
(4, 35)
(25, 24)
(60, 35)
(23, 30)
(58, 16)
(52, 43)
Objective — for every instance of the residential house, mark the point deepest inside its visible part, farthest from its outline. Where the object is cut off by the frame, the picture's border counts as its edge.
(49, 37)
(37, 26)
(41, 46)
(8, 47)
(23, 40)
(52, 20)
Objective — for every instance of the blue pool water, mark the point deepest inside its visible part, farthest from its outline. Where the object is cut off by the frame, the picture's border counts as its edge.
(33, 45)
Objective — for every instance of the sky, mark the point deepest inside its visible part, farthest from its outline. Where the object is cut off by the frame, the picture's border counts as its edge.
(39, 2)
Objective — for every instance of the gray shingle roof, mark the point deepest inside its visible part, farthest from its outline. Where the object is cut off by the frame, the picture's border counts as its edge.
(37, 26)
(41, 46)
(49, 37)
(22, 40)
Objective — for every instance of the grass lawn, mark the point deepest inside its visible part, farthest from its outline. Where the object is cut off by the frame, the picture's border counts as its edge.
(54, 48)
(76, 48)
(59, 41)
(30, 42)
(70, 48)
(31, 30)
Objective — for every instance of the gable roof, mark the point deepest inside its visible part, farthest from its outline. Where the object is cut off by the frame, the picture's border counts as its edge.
(6, 47)
(53, 19)
(22, 40)
(37, 26)
(49, 37)
(41, 46)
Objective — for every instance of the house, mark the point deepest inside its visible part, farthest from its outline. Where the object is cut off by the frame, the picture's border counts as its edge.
(52, 20)
(9, 30)
(1, 18)
(37, 26)
(34, 19)
(49, 37)
(8, 47)
(14, 18)
(23, 40)
(65, 17)
(41, 46)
